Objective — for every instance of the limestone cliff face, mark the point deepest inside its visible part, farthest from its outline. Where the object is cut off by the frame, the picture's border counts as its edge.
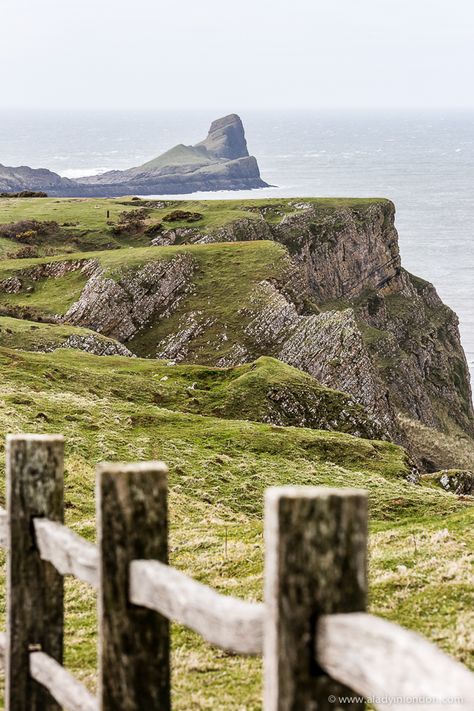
(342, 252)
(25, 178)
(226, 139)
(120, 308)
(97, 345)
(342, 310)
(329, 346)
(384, 336)
(414, 340)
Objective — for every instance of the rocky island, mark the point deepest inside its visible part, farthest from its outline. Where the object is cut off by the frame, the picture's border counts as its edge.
(220, 162)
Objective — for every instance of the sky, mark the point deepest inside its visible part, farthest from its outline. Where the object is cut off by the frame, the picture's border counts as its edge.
(292, 54)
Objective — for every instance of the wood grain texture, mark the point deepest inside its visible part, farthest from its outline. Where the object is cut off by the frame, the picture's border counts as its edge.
(380, 659)
(134, 647)
(227, 622)
(3, 528)
(69, 553)
(315, 564)
(34, 588)
(70, 694)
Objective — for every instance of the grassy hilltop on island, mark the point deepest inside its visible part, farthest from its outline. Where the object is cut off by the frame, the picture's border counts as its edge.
(247, 344)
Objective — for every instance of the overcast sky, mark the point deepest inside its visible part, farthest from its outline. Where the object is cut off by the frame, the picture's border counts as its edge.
(236, 54)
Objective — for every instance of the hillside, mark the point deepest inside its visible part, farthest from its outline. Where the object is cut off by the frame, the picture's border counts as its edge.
(108, 408)
(317, 284)
(246, 343)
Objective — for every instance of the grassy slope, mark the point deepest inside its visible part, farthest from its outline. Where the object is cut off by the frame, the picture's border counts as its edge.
(116, 408)
(179, 155)
(244, 391)
(219, 470)
(225, 276)
(90, 213)
(30, 335)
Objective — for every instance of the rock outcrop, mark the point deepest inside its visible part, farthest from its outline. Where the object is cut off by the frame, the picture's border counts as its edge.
(267, 390)
(226, 139)
(96, 345)
(328, 346)
(220, 162)
(23, 178)
(456, 481)
(414, 340)
(349, 258)
(121, 308)
(386, 337)
(344, 252)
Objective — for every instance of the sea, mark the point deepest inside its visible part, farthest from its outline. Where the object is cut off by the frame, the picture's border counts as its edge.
(423, 161)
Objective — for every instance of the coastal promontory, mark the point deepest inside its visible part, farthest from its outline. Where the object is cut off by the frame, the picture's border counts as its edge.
(220, 162)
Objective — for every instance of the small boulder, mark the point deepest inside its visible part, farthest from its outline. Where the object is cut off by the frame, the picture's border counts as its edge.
(460, 482)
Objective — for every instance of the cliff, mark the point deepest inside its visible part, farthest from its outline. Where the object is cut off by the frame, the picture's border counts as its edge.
(23, 178)
(220, 162)
(317, 284)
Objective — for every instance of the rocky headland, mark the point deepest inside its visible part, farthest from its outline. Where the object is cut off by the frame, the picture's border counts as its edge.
(220, 162)
(316, 284)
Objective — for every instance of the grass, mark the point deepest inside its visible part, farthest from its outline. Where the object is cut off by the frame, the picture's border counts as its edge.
(219, 470)
(209, 424)
(89, 214)
(267, 390)
(146, 384)
(179, 155)
(223, 281)
(223, 284)
(31, 335)
(115, 260)
(50, 296)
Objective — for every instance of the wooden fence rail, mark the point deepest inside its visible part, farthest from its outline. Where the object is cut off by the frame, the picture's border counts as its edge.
(321, 649)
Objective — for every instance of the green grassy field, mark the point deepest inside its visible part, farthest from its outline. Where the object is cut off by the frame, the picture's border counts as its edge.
(121, 408)
(90, 214)
(35, 336)
(86, 224)
(246, 391)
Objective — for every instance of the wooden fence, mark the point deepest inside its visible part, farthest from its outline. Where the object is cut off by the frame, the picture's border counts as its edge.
(320, 648)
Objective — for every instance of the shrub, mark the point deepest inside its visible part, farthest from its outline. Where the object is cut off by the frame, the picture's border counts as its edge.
(24, 229)
(182, 215)
(25, 194)
(133, 215)
(27, 252)
(28, 236)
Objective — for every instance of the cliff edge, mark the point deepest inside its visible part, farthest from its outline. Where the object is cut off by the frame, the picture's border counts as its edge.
(315, 283)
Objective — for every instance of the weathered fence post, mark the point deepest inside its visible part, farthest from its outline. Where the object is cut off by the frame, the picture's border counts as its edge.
(35, 610)
(315, 564)
(134, 644)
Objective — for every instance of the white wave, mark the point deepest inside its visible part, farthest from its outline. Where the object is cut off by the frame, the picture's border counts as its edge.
(82, 172)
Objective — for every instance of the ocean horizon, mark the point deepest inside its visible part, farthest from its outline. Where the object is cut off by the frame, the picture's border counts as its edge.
(422, 160)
